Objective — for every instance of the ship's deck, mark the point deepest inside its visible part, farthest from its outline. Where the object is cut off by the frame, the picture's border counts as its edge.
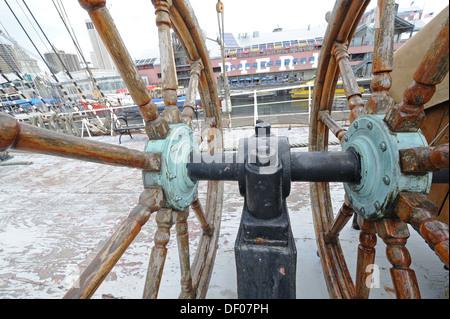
(55, 214)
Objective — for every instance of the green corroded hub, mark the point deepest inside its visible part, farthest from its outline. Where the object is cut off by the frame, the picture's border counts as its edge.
(179, 189)
(381, 176)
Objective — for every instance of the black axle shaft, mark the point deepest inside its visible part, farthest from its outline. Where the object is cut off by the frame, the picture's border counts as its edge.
(304, 167)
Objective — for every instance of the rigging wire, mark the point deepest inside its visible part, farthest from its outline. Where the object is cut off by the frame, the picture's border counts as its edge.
(54, 50)
(39, 52)
(76, 44)
(29, 21)
(15, 70)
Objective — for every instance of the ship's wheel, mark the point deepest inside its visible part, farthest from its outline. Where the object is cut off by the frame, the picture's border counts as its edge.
(168, 136)
(394, 158)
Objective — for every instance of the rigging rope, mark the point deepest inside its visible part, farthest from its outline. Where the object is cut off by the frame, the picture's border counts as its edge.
(62, 88)
(76, 43)
(54, 50)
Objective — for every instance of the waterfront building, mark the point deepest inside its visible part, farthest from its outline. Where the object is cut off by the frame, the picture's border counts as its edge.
(8, 59)
(59, 60)
(287, 55)
(102, 59)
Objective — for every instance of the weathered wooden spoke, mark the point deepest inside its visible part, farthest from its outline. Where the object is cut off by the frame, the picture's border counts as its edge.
(334, 127)
(413, 208)
(156, 127)
(188, 108)
(352, 92)
(424, 159)
(198, 210)
(418, 211)
(21, 136)
(164, 220)
(344, 214)
(91, 278)
(187, 291)
(395, 233)
(409, 114)
(366, 258)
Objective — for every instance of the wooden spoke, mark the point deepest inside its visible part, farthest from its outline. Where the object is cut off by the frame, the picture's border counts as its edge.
(417, 210)
(169, 76)
(198, 210)
(424, 159)
(394, 233)
(366, 258)
(343, 216)
(188, 108)
(21, 136)
(409, 114)
(149, 201)
(355, 101)
(383, 59)
(334, 127)
(156, 127)
(164, 220)
(187, 291)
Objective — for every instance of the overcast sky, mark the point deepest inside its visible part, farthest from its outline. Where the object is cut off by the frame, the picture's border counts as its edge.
(136, 21)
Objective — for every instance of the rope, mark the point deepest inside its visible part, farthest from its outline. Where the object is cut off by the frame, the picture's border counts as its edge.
(291, 145)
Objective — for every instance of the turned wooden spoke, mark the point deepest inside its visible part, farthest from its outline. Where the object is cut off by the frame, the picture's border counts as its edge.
(91, 278)
(395, 233)
(340, 221)
(164, 220)
(198, 210)
(408, 115)
(187, 291)
(424, 159)
(417, 210)
(169, 74)
(366, 258)
(383, 58)
(156, 127)
(334, 127)
(21, 136)
(352, 92)
(189, 104)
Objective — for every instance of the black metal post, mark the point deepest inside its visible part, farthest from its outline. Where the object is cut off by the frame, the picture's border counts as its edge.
(265, 253)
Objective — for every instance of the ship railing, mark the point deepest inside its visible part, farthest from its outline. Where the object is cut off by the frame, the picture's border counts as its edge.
(339, 102)
(255, 98)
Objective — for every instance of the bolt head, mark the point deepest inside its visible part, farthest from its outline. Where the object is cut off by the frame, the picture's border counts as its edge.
(386, 180)
(377, 205)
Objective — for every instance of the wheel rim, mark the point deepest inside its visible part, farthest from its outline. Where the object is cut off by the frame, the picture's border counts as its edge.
(342, 24)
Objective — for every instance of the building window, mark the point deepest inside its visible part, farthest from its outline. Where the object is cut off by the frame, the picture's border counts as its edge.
(303, 61)
(279, 63)
(158, 75)
(311, 60)
(255, 65)
(232, 68)
(217, 69)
